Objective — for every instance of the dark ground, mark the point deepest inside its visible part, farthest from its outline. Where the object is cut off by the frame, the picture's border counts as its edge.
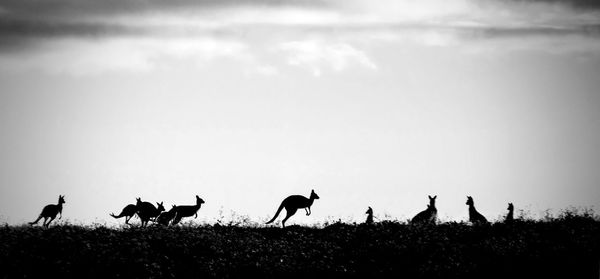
(567, 247)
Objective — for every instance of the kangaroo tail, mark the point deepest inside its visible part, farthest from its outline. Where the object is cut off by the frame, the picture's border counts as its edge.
(276, 214)
(115, 216)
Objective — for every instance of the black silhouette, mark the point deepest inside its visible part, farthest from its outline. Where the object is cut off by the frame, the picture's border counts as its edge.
(166, 217)
(147, 211)
(50, 211)
(427, 216)
(128, 212)
(474, 216)
(293, 203)
(510, 217)
(369, 216)
(183, 211)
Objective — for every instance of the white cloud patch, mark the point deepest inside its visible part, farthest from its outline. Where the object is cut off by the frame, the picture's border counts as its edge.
(85, 57)
(317, 56)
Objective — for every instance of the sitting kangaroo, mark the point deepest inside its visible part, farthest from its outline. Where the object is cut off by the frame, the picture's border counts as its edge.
(293, 203)
(427, 216)
(509, 216)
(474, 216)
(127, 212)
(369, 216)
(166, 217)
(147, 211)
(187, 210)
(50, 211)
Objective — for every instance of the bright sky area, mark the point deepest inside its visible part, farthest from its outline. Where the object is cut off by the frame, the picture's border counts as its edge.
(369, 103)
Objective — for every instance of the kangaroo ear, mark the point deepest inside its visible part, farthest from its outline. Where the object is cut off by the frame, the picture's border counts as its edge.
(435, 197)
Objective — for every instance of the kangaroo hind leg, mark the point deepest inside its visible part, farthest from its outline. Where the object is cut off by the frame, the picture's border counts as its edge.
(289, 213)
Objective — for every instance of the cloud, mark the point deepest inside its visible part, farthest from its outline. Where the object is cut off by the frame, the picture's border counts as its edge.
(316, 56)
(81, 58)
(319, 35)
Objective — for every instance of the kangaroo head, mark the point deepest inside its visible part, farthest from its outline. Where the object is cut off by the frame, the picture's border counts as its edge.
(199, 200)
(369, 211)
(138, 201)
(432, 200)
(469, 200)
(61, 199)
(160, 206)
(510, 206)
(313, 195)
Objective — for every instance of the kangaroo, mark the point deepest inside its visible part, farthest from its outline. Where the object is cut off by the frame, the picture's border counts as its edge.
(474, 216)
(187, 210)
(293, 203)
(127, 212)
(166, 217)
(369, 216)
(510, 216)
(50, 211)
(147, 211)
(427, 216)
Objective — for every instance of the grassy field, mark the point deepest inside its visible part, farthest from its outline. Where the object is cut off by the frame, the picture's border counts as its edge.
(567, 247)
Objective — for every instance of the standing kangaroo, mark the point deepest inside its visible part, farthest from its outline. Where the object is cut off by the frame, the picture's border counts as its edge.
(510, 216)
(127, 212)
(427, 216)
(166, 217)
(147, 210)
(50, 211)
(293, 203)
(474, 216)
(369, 216)
(187, 210)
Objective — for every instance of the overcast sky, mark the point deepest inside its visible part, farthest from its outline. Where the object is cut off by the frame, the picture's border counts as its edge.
(370, 103)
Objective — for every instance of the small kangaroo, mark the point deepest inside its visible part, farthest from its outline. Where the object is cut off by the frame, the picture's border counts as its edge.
(166, 217)
(293, 203)
(50, 211)
(510, 216)
(147, 211)
(474, 216)
(427, 216)
(369, 213)
(188, 210)
(127, 212)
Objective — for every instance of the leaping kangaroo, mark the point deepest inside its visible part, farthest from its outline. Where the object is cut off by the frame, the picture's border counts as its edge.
(147, 210)
(427, 216)
(187, 210)
(510, 216)
(293, 203)
(127, 212)
(50, 211)
(474, 216)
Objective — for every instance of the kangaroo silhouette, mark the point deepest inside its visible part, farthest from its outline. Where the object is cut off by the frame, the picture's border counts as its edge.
(50, 211)
(127, 212)
(510, 217)
(429, 215)
(187, 210)
(369, 216)
(166, 217)
(474, 216)
(293, 203)
(147, 211)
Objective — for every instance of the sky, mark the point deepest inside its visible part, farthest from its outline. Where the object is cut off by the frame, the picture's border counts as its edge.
(369, 103)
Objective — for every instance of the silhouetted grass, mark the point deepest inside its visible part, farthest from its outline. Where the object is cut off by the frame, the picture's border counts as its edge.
(566, 246)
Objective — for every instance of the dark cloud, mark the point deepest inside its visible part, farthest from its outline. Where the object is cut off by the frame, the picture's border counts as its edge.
(579, 4)
(70, 8)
